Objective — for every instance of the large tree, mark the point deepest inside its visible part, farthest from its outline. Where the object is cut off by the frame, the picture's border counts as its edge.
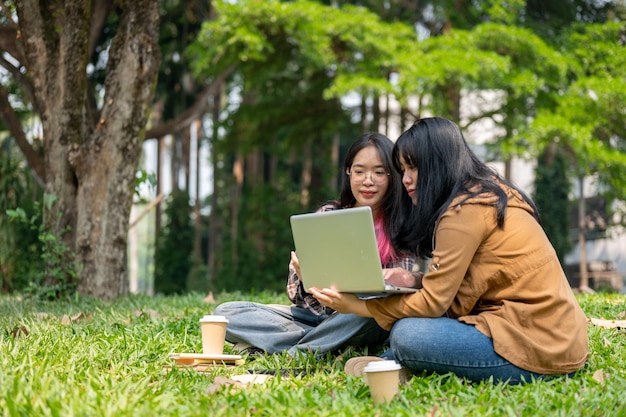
(91, 137)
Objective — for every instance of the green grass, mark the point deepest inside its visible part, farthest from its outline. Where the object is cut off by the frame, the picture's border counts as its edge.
(109, 362)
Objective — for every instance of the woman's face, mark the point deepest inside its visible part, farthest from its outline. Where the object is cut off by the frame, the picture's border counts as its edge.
(409, 179)
(369, 180)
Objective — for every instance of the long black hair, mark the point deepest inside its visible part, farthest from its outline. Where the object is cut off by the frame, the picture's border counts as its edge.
(446, 168)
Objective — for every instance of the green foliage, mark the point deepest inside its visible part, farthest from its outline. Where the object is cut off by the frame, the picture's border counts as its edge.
(60, 277)
(503, 12)
(265, 244)
(20, 253)
(588, 119)
(551, 196)
(174, 246)
(266, 39)
(91, 357)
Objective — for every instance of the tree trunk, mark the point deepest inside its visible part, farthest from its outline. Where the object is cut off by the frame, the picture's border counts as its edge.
(215, 220)
(364, 112)
(335, 182)
(91, 168)
(584, 276)
(307, 174)
(238, 175)
(197, 242)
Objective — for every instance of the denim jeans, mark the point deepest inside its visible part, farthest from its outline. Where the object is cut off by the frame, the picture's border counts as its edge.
(277, 328)
(443, 345)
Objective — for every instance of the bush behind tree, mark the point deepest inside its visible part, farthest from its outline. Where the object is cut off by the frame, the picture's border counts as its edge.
(174, 247)
(20, 252)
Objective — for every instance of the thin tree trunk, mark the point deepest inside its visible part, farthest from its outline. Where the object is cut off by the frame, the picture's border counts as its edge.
(305, 180)
(387, 114)
(215, 222)
(197, 243)
(375, 124)
(238, 174)
(582, 227)
(255, 167)
(334, 157)
(159, 186)
(186, 156)
(364, 122)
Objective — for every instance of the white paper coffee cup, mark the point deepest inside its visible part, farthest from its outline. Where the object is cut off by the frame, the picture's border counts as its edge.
(213, 330)
(383, 378)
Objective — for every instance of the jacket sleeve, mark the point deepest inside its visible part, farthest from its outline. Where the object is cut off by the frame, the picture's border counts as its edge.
(458, 235)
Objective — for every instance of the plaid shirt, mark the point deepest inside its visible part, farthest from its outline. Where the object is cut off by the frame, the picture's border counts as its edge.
(300, 298)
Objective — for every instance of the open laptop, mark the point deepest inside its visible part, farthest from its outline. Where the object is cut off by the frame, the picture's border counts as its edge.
(338, 249)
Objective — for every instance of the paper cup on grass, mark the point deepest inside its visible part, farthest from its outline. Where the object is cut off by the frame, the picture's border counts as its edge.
(213, 334)
(383, 378)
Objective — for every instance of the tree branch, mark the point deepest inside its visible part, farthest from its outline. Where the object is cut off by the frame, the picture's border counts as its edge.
(193, 112)
(21, 79)
(9, 42)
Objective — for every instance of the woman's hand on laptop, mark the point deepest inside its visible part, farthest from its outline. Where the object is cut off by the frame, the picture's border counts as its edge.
(400, 277)
(342, 302)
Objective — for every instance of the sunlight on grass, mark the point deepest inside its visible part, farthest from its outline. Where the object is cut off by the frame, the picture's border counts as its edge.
(94, 358)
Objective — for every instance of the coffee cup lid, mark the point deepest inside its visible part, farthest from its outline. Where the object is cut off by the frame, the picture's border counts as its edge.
(381, 366)
(212, 318)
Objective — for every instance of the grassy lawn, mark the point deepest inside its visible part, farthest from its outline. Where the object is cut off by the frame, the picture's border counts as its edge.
(95, 358)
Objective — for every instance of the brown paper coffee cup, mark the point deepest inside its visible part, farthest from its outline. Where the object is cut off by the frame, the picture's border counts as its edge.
(213, 330)
(383, 378)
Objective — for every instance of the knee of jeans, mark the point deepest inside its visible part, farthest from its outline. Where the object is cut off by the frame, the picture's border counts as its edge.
(226, 309)
(398, 337)
(220, 309)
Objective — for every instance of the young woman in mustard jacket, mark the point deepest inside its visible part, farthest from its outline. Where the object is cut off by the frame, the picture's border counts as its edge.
(495, 301)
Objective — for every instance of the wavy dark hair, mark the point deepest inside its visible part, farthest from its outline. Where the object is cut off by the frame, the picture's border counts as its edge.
(396, 204)
(446, 168)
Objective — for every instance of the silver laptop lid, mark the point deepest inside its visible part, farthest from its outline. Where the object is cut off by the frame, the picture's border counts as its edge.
(338, 249)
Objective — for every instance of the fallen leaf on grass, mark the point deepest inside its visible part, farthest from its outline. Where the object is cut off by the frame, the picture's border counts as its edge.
(609, 324)
(66, 320)
(599, 376)
(19, 331)
(150, 313)
(237, 381)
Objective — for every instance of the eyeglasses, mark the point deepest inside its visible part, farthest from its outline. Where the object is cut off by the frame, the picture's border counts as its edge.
(377, 177)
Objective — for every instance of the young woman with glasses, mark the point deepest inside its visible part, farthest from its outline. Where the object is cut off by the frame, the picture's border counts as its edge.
(306, 326)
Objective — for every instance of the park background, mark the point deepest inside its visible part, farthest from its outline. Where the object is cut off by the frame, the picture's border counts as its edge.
(218, 120)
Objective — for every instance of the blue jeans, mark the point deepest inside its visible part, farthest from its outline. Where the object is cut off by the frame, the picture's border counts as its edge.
(443, 345)
(278, 328)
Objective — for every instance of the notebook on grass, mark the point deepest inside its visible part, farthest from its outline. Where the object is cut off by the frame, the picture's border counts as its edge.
(338, 249)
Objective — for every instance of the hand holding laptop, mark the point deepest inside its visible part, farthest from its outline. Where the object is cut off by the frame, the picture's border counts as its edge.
(345, 303)
(294, 264)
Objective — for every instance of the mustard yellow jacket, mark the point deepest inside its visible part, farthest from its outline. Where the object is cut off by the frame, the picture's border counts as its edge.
(507, 282)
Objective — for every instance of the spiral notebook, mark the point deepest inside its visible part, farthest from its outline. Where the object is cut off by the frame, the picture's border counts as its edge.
(338, 249)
